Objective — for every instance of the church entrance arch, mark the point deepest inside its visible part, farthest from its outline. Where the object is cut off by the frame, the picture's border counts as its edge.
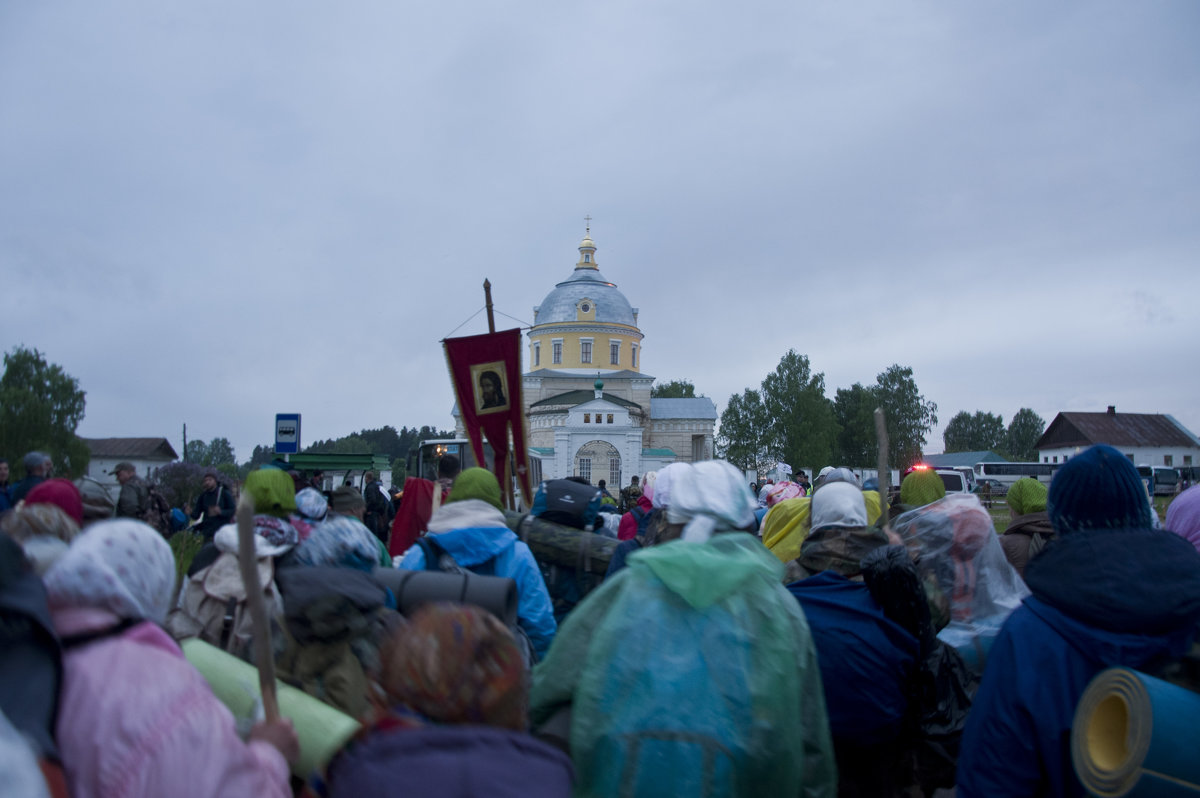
(597, 460)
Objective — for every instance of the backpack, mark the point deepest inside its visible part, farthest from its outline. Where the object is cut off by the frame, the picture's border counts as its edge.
(213, 605)
(30, 652)
(156, 511)
(438, 559)
(643, 520)
(567, 502)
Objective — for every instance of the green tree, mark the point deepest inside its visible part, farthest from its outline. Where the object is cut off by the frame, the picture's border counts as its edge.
(1022, 435)
(854, 412)
(744, 433)
(259, 457)
(196, 452)
(220, 452)
(802, 426)
(974, 433)
(40, 408)
(675, 389)
(909, 416)
(214, 454)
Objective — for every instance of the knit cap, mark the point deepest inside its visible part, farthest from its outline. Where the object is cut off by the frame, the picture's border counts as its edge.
(476, 483)
(1026, 495)
(1097, 489)
(62, 493)
(921, 488)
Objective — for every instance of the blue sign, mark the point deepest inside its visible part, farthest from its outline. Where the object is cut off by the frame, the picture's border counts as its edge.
(287, 433)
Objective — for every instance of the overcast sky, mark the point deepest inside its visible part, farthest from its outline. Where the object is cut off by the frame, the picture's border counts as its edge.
(215, 212)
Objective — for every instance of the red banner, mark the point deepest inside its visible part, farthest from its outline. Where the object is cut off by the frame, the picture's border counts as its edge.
(486, 373)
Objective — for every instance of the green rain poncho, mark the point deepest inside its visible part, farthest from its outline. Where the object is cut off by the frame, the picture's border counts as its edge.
(691, 673)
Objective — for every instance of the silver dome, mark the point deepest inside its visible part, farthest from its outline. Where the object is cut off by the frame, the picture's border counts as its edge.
(560, 304)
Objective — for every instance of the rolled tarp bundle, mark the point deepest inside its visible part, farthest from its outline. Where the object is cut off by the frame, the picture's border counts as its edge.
(496, 594)
(564, 546)
(1135, 735)
(322, 729)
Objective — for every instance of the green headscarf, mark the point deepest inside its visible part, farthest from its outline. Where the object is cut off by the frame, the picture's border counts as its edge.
(476, 483)
(273, 491)
(921, 488)
(1027, 495)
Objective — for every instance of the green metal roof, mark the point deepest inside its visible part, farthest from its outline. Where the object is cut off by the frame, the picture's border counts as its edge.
(340, 462)
(962, 459)
(574, 398)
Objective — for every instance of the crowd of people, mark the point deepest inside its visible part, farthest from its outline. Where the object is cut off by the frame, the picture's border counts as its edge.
(786, 639)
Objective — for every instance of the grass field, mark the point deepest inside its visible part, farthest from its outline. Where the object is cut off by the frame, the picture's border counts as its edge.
(1001, 515)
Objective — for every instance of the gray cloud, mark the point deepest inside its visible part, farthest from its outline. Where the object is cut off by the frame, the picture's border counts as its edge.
(285, 207)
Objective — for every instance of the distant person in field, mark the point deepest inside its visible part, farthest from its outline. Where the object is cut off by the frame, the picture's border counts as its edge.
(214, 507)
(134, 494)
(449, 467)
(38, 467)
(630, 494)
(1030, 529)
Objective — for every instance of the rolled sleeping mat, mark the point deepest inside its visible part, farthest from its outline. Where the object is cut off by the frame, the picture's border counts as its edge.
(496, 594)
(322, 729)
(1135, 735)
(564, 546)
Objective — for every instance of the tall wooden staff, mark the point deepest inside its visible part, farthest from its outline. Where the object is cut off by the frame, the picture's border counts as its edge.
(885, 474)
(505, 475)
(264, 658)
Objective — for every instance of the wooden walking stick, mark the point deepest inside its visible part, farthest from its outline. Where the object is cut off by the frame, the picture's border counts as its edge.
(264, 658)
(885, 474)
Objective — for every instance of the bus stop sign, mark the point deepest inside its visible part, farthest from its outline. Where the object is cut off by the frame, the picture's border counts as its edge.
(287, 433)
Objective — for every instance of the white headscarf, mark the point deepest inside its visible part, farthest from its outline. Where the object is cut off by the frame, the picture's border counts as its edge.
(838, 504)
(661, 496)
(708, 496)
(123, 566)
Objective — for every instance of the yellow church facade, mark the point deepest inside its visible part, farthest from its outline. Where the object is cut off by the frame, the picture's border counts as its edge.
(588, 400)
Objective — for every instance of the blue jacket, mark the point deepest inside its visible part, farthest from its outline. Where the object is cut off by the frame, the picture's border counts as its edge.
(473, 532)
(866, 660)
(449, 762)
(1101, 598)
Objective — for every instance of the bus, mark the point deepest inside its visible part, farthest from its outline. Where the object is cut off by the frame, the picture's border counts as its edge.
(1159, 480)
(1008, 473)
(423, 461)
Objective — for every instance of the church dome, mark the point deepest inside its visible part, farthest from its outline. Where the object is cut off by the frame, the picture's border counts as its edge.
(586, 282)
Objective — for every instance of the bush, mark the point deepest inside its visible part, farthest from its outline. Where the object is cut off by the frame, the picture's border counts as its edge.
(185, 546)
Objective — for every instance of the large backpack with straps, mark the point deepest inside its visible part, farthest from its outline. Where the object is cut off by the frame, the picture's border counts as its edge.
(567, 502)
(213, 606)
(438, 559)
(156, 511)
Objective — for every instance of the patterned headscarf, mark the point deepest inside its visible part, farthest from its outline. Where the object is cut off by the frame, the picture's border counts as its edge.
(1026, 496)
(340, 541)
(783, 490)
(1183, 516)
(123, 566)
(312, 504)
(456, 664)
